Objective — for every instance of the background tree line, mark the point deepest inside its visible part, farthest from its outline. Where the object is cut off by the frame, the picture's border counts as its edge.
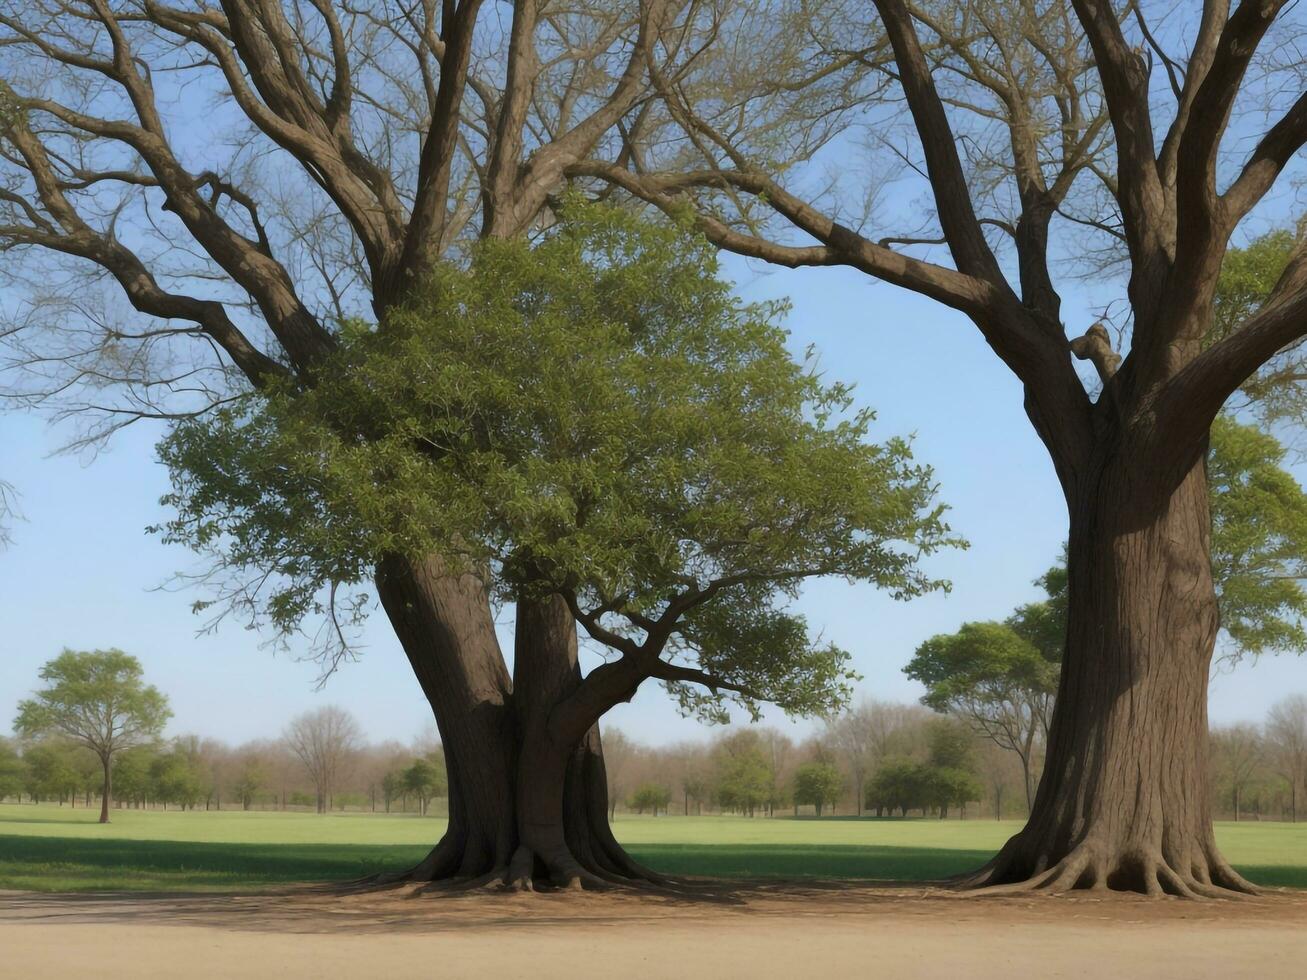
(972, 756)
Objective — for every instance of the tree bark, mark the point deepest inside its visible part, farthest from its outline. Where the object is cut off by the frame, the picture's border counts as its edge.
(1123, 801)
(525, 808)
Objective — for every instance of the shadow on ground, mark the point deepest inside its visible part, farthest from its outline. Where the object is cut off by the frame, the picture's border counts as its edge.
(80, 864)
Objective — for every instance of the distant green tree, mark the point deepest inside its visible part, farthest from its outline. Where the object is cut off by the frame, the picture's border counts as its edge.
(949, 778)
(96, 699)
(425, 780)
(942, 788)
(174, 779)
(652, 797)
(51, 770)
(13, 771)
(950, 745)
(897, 784)
(392, 787)
(743, 777)
(349, 799)
(251, 777)
(996, 678)
(1259, 541)
(131, 774)
(817, 784)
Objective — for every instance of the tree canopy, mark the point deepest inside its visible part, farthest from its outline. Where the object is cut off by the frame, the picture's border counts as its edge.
(818, 784)
(594, 415)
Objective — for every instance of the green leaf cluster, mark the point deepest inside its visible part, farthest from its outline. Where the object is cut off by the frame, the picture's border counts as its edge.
(818, 784)
(1259, 540)
(594, 414)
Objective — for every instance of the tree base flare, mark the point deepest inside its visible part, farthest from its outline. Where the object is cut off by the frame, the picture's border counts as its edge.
(607, 868)
(1088, 868)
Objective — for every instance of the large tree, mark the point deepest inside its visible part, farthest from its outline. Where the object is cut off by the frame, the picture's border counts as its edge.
(196, 196)
(98, 700)
(600, 424)
(1047, 132)
(1002, 677)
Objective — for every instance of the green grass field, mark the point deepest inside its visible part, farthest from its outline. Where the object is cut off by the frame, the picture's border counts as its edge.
(49, 848)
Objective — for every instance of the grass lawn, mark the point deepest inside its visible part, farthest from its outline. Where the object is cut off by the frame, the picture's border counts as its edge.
(50, 848)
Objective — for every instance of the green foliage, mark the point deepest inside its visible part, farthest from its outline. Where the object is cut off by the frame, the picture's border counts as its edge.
(652, 797)
(743, 780)
(1042, 624)
(425, 779)
(131, 773)
(818, 784)
(1275, 393)
(51, 770)
(250, 780)
(1259, 540)
(1000, 677)
(174, 779)
(943, 788)
(594, 414)
(949, 746)
(896, 785)
(96, 699)
(947, 777)
(985, 670)
(904, 784)
(13, 771)
(392, 787)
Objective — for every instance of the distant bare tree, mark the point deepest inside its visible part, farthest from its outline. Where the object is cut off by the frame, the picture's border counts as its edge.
(325, 742)
(1286, 731)
(1239, 753)
(854, 735)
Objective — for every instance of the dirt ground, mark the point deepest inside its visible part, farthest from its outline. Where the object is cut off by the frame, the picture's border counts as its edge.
(759, 930)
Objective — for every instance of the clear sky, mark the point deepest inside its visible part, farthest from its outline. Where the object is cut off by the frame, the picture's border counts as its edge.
(83, 573)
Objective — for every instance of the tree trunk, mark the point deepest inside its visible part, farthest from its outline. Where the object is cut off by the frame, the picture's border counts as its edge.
(1123, 801)
(107, 791)
(523, 809)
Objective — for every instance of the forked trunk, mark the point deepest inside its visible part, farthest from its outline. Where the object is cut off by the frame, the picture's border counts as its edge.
(1123, 802)
(523, 808)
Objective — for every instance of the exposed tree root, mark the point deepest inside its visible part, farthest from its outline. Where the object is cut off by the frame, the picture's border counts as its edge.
(443, 871)
(1087, 867)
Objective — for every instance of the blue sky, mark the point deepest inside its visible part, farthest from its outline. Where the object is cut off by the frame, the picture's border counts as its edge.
(82, 573)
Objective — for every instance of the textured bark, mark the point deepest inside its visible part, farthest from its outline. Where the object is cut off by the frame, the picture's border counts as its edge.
(526, 806)
(1123, 803)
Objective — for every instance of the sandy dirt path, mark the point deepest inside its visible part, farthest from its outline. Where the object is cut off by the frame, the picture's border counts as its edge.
(761, 931)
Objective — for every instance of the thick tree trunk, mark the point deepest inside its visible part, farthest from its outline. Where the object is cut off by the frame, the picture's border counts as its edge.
(524, 809)
(1123, 801)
